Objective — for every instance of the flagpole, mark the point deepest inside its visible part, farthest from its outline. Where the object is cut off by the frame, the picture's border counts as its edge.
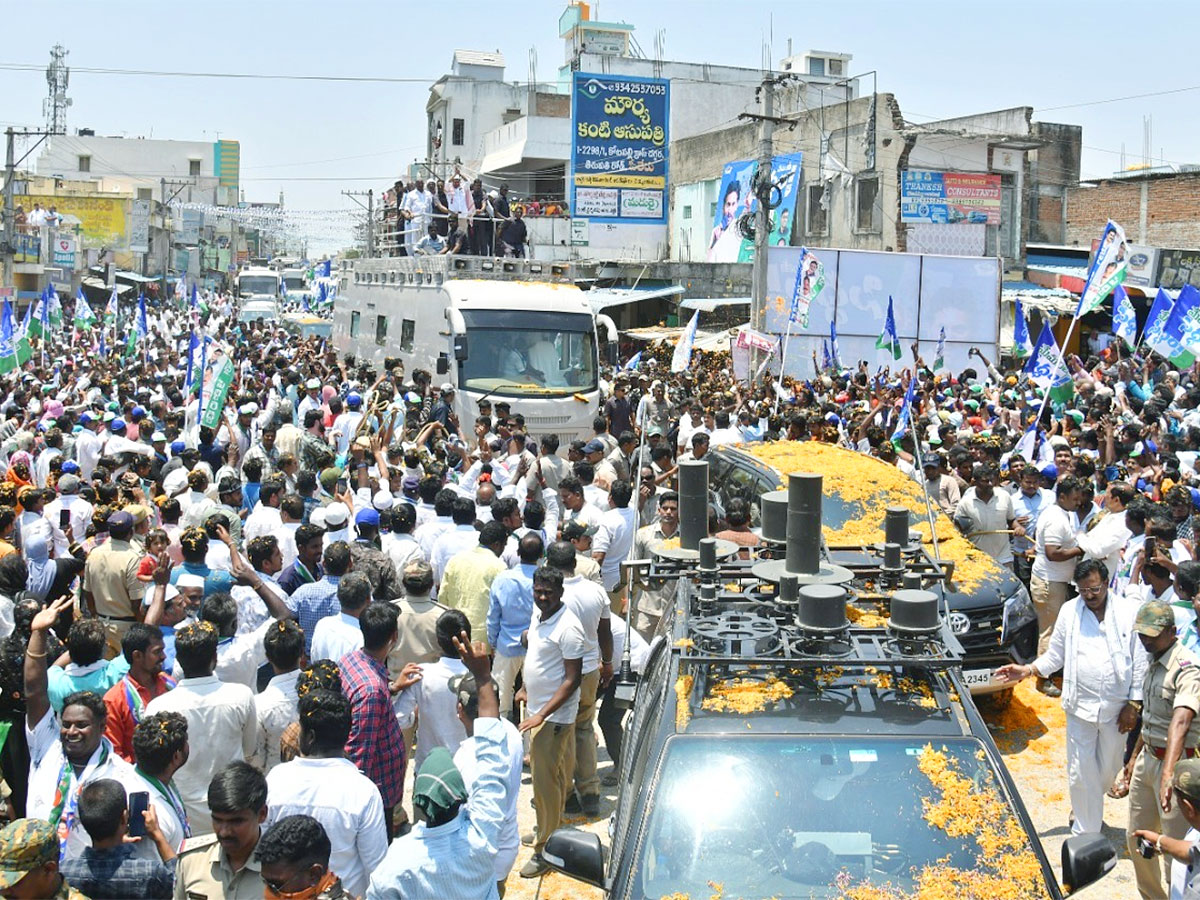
(782, 362)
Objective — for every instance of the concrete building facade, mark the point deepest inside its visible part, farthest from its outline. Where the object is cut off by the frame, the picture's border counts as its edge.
(855, 156)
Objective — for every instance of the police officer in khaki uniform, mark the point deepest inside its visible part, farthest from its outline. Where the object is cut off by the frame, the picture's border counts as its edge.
(222, 866)
(29, 862)
(1187, 794)
(1170, 732)
(111, 590)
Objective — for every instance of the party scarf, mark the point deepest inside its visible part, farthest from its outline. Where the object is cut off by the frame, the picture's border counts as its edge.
(66, 801)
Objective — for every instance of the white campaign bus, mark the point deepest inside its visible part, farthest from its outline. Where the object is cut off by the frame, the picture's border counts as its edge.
(257, 294)
(515, 330)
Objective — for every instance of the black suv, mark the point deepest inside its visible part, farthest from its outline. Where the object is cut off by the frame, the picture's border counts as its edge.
(768, 756)
(995, 622)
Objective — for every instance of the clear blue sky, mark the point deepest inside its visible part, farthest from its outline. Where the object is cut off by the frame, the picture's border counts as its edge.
(940, 59)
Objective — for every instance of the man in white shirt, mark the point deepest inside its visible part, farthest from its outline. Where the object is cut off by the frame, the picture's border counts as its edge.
(79, 513)
(265, 519)
(590, 604)
(1104, 664)
(335, 636)
(277, 704)
(462, 537)
(323, 784)
(443, 521)
(267, 561)
(399, 544)
(553, 672)
(89, 445)
(985, 515)
(467, 696)
(430, 699)
(1057, 551)
(575, 504)
(70, 746)
(221, 716)
(415, 210)
(614, 539)
(160, 747)
(1108, 535)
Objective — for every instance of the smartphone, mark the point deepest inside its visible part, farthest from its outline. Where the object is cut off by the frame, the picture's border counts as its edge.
(343, 485)
(1145, 848)
(1150, 545)
(64, 519)
(138, 802)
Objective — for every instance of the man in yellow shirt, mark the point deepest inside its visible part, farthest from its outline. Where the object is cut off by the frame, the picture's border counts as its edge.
(467, 582)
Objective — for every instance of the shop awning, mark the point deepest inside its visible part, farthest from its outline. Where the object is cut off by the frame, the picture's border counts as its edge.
(603, 298)
(708, 304)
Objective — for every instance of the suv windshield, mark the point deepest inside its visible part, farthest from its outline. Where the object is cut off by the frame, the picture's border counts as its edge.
(804, 817)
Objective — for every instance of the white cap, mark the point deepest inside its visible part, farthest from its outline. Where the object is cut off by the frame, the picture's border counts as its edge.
(382, 500)
(317, 517)
(336, 515)
(187, 580)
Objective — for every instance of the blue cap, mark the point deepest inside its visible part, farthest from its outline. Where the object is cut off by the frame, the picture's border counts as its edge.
(177, 446)
(137, 412)
(85, 418)
(117, 424)
(353, 400)
(120, 519)
(1049, 470)
(1195, 497)
(366, 516)
(593, 446)
(70, 467)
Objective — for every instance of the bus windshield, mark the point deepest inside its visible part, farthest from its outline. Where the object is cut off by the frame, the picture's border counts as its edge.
(258, 284)
(523, 353)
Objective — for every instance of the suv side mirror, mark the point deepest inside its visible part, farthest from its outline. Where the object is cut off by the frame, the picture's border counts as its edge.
(443, 364)
(612, 353)
(1085, 858)
(460, 347)
(578, 854)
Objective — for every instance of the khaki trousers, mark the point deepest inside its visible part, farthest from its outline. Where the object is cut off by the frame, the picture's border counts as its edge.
(586, 781)
(646, 625)
(505, 670)
(114, 632)
(1048, 598)
(1145, 812)
(551, 759)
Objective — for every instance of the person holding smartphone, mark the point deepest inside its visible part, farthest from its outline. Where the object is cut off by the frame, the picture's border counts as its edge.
(116, 824)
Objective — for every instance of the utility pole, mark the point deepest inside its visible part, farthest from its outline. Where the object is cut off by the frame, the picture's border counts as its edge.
(10, 177)
(166, 232)
(369, 206)
(763, 188)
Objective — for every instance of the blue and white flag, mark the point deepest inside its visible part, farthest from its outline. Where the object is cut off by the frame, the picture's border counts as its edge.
(1027, 445)
(1124, 324)
(905, 417)
(633, 362)
(888, 339)
(826, 359)
(834, 356)
(1107, 269)
(1154, 335)
(283, 288)
(324, 269)
(141, 326)
(1022, 344)
(1046, 368)
(682, 356)
(24, 332)
(1182, 327)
